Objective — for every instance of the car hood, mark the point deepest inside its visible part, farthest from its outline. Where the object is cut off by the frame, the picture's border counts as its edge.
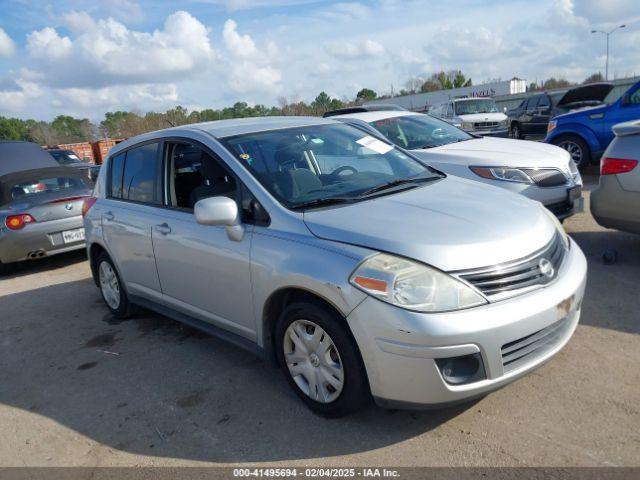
(583, 112)
(452, 224)
(495, 152)
(483, 117)
(596, 92)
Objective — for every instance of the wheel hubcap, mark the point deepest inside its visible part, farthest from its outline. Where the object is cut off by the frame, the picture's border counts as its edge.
(313, 361)
(574, 150)
(109, 285)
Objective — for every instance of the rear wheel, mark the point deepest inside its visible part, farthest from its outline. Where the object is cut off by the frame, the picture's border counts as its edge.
(111, 288)
(320, 360)
(577, 148)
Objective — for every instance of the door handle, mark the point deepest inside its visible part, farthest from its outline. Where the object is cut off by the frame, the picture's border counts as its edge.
(163, 229)
(108, 216)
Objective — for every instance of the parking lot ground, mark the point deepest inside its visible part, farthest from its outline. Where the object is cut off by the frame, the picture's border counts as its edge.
(78, 387)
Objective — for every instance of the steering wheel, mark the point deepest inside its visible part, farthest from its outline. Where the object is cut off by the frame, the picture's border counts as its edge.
(344, 168)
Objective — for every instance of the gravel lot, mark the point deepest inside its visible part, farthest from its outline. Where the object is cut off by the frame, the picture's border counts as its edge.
(78, 387)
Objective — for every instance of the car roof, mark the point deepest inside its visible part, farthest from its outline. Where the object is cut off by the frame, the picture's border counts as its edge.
(16, 156)
(378, 115)
(241, 126)
(226, 128)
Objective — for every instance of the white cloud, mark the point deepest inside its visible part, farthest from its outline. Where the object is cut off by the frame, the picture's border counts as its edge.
(132, 97)
(16, 94)
(107, 52)
(250, 68)
(238, 45)
(608, 12)
(47, 44)
(7, 47)
(358, 49)
(78, 21)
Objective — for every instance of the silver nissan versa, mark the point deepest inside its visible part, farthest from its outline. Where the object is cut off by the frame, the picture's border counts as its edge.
(360, 270)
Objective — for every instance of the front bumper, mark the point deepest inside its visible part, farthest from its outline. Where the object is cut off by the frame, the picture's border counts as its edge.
(502, 132)
(38, 240)
(399, 347)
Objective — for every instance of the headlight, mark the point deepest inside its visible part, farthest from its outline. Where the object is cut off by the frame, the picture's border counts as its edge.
(502, 173)
(467, 126)
(552, 124)
(559, 227)
(503, 123)
(412, 285)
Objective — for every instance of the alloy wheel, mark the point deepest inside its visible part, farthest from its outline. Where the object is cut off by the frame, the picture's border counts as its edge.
(574, 150)
(109, 285)
(313, 361)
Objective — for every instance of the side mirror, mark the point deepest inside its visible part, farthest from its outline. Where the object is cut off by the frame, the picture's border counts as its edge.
(504, 110)
(220, 211)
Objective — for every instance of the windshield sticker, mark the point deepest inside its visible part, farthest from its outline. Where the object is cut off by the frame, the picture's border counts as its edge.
(375, 145)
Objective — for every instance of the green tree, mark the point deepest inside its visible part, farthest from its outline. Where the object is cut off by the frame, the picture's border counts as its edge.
(14, 129)
(321, 104)
(365, 95)
(594, 78)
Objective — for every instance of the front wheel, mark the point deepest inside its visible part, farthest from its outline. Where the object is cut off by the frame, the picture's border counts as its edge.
(516, 132)
(320, 360)
(577, 148)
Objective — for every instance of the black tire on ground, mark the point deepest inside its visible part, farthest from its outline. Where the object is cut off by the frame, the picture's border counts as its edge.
(5, 269)
(125, 308)
(577, 148)
(355, 392)
(516, 132)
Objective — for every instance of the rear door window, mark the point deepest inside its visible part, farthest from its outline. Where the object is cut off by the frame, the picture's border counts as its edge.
(135, 175)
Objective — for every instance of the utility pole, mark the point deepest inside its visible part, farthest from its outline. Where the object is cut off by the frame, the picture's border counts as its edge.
(607, 34)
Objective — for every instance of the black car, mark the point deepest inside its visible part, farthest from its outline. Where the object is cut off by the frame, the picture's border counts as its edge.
(68, 158)
(532, 116)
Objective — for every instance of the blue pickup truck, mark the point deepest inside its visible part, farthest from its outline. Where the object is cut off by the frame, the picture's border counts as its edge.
(586, 133)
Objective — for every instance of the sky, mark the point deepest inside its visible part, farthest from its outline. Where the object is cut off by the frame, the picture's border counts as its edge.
(84, 58)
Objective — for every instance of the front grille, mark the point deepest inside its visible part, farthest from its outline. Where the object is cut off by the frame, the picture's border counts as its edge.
(547, 177)
(532, 347)
(513, 278)
(483, 125)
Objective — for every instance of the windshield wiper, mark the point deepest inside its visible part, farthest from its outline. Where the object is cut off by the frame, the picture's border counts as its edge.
(322, 202)
(395, 183)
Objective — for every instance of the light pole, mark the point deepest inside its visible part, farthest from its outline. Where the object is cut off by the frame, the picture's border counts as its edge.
(606, 68)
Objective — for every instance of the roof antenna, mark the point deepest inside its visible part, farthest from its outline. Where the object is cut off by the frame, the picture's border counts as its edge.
(169, 122)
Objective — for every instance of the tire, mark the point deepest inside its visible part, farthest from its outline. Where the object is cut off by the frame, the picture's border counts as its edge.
(5, 269)
(335, 356)
(577, 148)
(516, 132)
(110, 285)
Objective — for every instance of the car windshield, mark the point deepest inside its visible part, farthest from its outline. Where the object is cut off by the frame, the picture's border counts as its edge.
(39, 186)
(484, 105)
(419, 131)
(319, 164)
(65, 158)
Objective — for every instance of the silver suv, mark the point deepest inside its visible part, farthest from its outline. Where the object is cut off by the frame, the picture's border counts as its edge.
(359, 269)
